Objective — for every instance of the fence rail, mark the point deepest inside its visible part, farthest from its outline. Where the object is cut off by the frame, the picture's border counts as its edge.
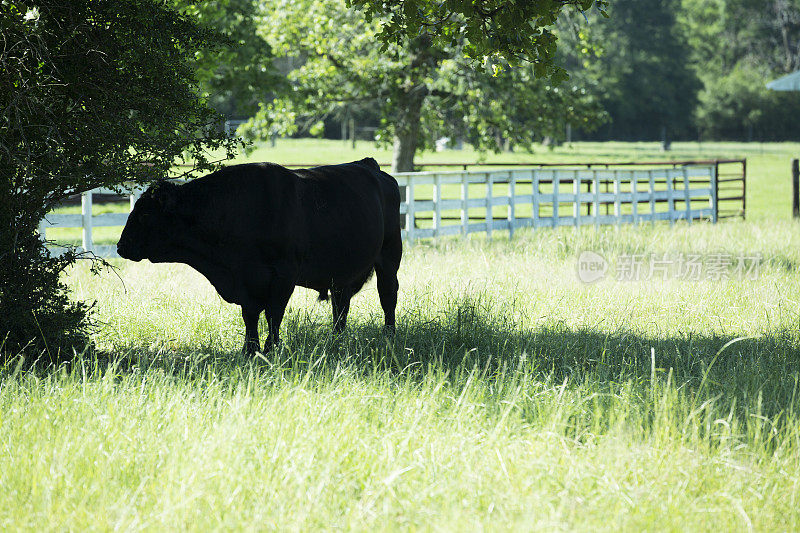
(453, 202)
(462, 202)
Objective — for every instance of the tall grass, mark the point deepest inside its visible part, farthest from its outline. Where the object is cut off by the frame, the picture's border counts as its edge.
(513, 396)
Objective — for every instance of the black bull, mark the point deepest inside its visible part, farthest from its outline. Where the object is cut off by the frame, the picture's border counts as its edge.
(257, 230)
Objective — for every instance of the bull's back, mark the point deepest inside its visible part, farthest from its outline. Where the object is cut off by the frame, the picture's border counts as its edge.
(248, 202)
(331, 219)
(345, 208)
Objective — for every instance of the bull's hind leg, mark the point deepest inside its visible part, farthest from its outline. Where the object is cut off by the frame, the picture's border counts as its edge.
(250, 315)
(386, 271)
(340, 304)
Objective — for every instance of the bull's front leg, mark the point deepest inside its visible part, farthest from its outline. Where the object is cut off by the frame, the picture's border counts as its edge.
(250, 315)
(280, 291)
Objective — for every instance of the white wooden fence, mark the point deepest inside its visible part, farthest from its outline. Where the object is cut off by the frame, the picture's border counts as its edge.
(87, 221)
(462, 202)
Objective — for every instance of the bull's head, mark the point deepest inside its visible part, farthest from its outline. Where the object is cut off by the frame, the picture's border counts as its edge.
(154, 217)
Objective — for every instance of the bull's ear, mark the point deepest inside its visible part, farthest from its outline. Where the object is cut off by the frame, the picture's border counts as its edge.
(167, 196)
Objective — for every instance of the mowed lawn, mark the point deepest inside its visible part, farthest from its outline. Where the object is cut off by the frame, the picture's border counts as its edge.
(513, 396)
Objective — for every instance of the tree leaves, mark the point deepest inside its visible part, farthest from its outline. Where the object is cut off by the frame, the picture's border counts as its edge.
(239, 73)
(421, 88)
(93, 93)
(513, 31)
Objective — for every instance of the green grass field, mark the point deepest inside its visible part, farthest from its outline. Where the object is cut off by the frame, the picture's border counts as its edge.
(513, 395)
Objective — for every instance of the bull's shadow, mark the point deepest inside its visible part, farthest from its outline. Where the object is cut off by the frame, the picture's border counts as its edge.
(470, 334)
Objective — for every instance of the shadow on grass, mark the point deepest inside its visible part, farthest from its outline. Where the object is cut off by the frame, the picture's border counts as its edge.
(471, 334)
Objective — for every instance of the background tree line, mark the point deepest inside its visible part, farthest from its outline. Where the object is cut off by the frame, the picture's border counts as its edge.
(696, 68)
(652, 69)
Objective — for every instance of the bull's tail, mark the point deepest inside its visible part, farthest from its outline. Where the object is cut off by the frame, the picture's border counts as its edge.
(362, 280)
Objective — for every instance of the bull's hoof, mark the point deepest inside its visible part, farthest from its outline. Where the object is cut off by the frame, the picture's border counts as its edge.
(249, 349)
(389, 330)
(270, 347)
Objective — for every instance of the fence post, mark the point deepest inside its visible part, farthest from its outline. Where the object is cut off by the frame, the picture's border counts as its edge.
(589, 188)
(464, 204)
(670, 199)
(410, 215)
(556, 179)
(652, 192)
(511, 211)
(795, 188)
(43, 229)
(437, 204)
(596, 201)
(617, 201)
(535, 198)
(714, 199)
(744, 186)
(576, 200)
(687, 195)
(86, 212)
(133, 197)
(715, 191)
(635, 197)
(489, 203)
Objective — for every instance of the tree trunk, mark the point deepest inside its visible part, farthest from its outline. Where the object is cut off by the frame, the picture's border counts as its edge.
(665, 142)
(406, 135)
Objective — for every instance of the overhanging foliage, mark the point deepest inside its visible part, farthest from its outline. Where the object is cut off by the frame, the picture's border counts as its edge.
(92, 93)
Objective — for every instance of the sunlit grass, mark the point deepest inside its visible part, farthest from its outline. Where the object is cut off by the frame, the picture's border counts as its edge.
(512, 397)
